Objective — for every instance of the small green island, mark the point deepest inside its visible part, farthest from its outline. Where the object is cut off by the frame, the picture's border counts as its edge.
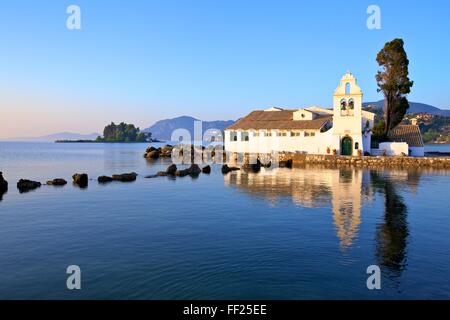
(118, 133)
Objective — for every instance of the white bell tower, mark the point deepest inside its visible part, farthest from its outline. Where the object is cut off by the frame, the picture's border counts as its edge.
(347, 115)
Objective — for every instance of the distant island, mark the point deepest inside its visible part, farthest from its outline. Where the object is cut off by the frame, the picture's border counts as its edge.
(123, 132)
(120, 133)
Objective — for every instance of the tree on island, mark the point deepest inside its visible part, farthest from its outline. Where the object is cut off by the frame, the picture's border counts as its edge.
(393, 81)
(123, 132)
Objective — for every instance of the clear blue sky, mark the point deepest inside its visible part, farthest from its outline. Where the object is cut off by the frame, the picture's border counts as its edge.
(141, 61)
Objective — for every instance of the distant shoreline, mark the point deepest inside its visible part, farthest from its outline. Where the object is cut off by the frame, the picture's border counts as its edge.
(94, 141)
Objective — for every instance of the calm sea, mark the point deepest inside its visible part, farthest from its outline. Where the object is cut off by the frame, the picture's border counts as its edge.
(279, 234)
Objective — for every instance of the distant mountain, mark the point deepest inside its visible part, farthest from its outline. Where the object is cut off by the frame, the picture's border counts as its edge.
(61, 136)
(414, 107)
(162, 130)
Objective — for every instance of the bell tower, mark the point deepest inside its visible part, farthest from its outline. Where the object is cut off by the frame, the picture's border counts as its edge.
(347, 115)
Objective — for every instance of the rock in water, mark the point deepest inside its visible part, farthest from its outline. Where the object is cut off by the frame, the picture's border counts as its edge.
(171, 169)
(80, 179)
(182, 173)
(3, 184)
(207, 170)
(153, 154)
(104, 179)
(226, 169)
(125, 177)
(57, 182)
(193, 170)
(150, 149)
(27, 185)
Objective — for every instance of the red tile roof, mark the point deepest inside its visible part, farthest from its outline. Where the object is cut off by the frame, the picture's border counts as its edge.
(281, 120)
(407, 133)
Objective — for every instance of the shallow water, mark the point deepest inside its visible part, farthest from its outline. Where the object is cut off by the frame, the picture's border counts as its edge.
(279, 234)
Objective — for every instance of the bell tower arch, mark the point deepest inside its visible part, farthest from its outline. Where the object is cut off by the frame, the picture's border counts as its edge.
(347, 113)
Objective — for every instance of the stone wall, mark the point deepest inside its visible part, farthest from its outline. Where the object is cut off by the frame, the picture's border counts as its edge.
(399, 161)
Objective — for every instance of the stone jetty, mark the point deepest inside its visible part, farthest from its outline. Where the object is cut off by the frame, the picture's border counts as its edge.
(367, 161)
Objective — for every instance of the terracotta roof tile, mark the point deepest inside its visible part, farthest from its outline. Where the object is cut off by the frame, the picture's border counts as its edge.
(407, 133)
(281, 120)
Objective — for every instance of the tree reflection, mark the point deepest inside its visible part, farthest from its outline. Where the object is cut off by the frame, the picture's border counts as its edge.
(392, 234)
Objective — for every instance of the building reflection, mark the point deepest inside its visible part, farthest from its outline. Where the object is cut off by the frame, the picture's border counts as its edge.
(346, 191)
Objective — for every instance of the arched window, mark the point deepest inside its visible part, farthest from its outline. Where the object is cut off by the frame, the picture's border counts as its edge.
(351, 104)
(347, 88)
(343, 104)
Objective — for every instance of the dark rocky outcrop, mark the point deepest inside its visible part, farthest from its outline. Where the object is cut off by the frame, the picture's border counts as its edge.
(80, 179)
(104, 179)
(3, 186)
(206, 170)
(153, 154)
(25, 185)
(171, 169)
(193, 170)
(57, 182)
(226, 169)
(150, 149)
(125, 177)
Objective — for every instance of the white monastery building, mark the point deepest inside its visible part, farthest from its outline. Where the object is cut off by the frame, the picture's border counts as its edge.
(344, 130)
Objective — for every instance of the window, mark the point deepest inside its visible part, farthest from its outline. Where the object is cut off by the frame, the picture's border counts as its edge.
(244, 136)
(310, 134)
(256, 134)
(267, 134)
(233, 136)
(295, 134)
(356, 145)
(281, 134)
(347, 88)
(306, 134)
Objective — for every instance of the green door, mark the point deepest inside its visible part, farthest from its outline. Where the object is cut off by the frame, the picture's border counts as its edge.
(347, 146)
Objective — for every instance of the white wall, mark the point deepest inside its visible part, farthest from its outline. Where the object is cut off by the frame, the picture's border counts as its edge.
(367, 141)
(393, 148)
(317, 144)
